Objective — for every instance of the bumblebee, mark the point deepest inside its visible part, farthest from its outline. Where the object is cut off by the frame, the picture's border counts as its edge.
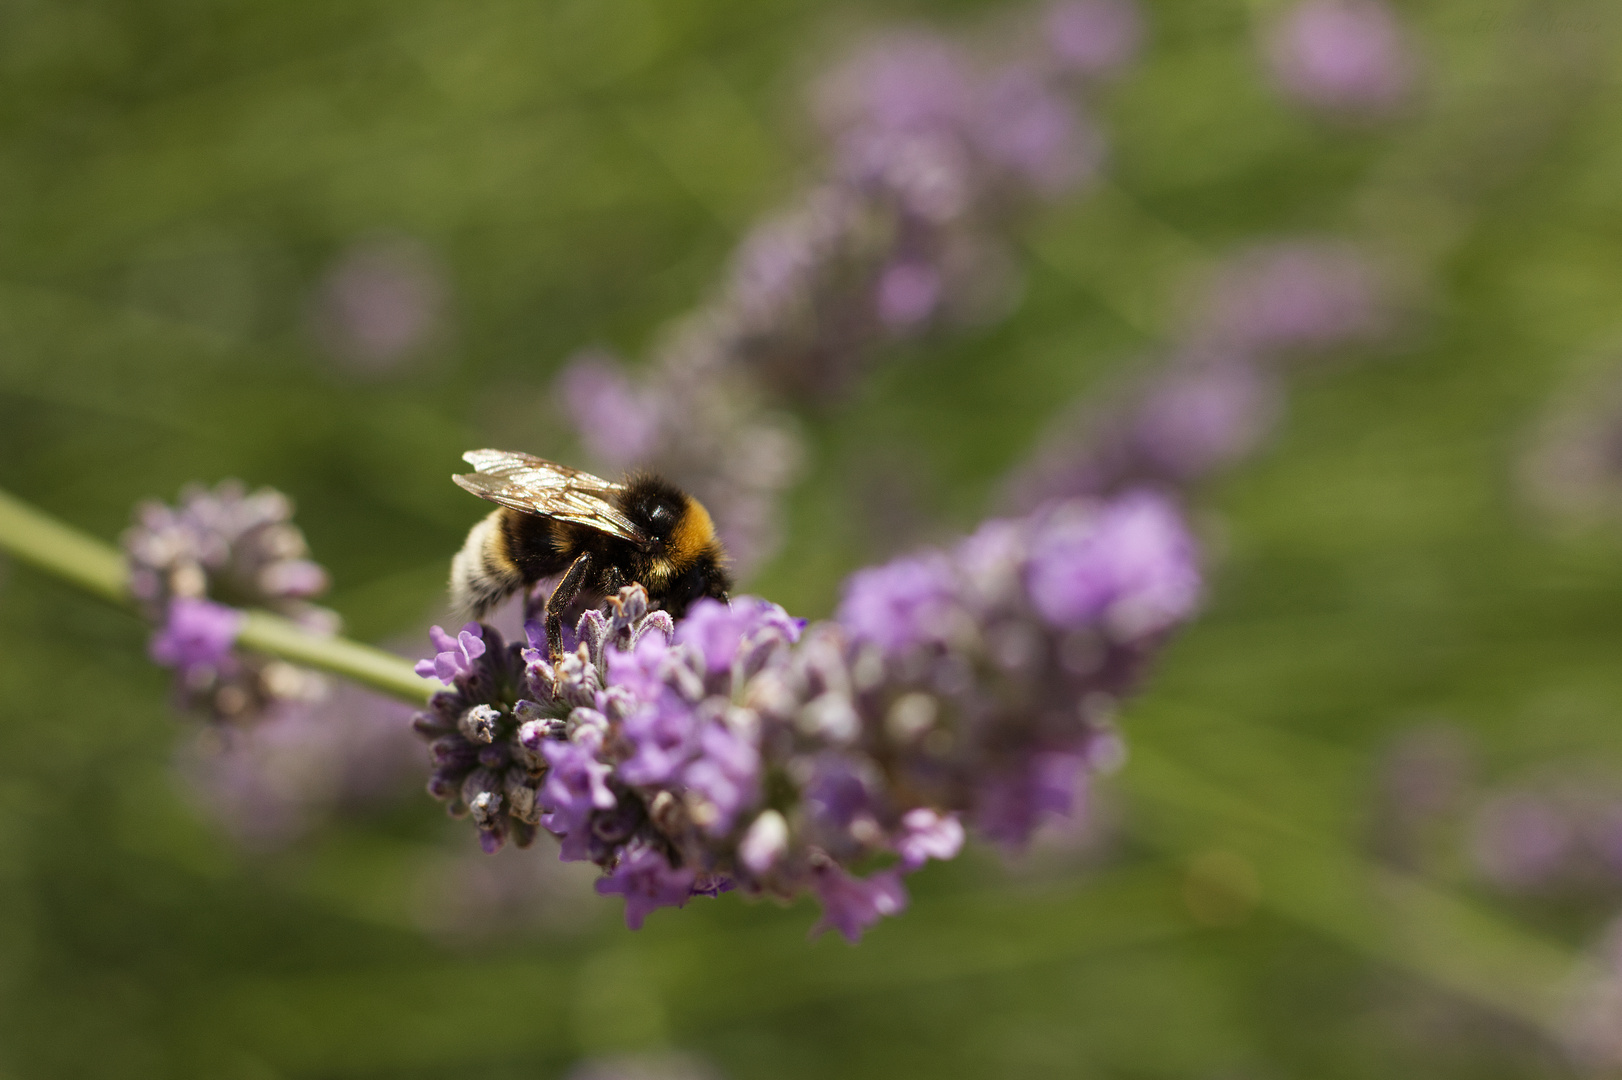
(600, 535)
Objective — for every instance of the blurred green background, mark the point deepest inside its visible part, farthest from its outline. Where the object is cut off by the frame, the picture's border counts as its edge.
(178, 178)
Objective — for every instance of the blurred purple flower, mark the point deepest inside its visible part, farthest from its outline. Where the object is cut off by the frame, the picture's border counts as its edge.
(928, 835)
(1220, 393)
(615, 418)
(1349, 56)
(907, 293)
(1010, 805)
(1094, 37)
(191, 564)
(645, 1067)
(1290, 295)
(1203, 416)
(1572, 469)
(1561, 834)
(269, 783)
(381, 302)
(1129, 567)
(903, 603)
(934, 150)
(1521, 841)
(647, 880)
(851, 904)
(196, 634)
(1200, 414)
(1026, 127)
(904, 82)
(1426, 772)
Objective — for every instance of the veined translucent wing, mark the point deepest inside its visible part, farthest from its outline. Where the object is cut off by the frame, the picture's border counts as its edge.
(537, 486)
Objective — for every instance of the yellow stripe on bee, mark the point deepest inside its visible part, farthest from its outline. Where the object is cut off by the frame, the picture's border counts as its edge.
(692, 535)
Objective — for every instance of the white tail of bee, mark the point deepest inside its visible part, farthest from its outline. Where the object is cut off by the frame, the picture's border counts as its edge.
(481, 575)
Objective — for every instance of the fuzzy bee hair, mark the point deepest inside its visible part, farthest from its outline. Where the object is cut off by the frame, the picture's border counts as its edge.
(600, 535)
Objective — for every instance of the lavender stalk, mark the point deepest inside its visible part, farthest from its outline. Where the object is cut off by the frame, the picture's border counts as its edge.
(64, 552)
(742, 749)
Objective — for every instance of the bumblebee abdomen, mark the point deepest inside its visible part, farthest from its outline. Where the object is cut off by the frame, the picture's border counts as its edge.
(481, 573)
(537, 546)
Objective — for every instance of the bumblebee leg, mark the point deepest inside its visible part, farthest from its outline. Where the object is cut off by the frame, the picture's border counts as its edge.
(561, 598)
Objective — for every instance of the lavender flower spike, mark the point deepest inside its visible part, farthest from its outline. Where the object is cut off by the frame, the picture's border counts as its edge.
(219, 547)
(933, 149)
(743, 749)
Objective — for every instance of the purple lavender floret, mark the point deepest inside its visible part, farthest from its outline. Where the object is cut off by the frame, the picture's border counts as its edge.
(851, 904)
(197, 634)
(644, 875)
(453, 656)
(192, 564)
(961, 689)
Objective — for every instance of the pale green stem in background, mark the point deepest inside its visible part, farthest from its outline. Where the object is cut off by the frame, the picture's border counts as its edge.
(63, 551)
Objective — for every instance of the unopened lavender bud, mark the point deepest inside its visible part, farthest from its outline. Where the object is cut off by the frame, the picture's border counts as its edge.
(521, 798)
(451, 752)
(764, 843)
(444, 786)
(479, 723)
(479, 782)
(485, 807)
(656, 622)
(428, 726)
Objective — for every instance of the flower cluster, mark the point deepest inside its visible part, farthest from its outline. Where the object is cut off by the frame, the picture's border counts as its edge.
(743, 750)
(932, 149)
(192, 566)
(1349, 57)
(1221, 391)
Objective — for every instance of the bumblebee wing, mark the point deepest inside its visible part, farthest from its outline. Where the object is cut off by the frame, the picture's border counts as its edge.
(537, 486)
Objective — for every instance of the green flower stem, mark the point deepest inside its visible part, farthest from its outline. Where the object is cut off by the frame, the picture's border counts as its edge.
(268, 633)
(66, 553)
(61, 550)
